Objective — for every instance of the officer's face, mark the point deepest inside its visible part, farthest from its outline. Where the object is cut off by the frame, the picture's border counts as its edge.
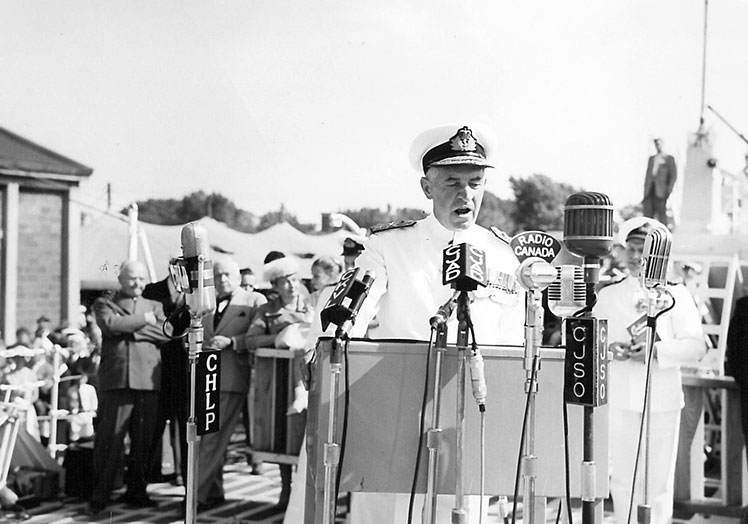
(457, 192)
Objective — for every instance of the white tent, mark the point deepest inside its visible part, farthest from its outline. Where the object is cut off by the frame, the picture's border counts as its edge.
(105, 241)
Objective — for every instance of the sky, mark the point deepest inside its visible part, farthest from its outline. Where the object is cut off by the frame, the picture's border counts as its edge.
(313, 104)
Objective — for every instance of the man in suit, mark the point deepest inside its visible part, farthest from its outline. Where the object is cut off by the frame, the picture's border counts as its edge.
(174, 387)
(658, 183)
(224, 329)
(737, 357)
(129, 380)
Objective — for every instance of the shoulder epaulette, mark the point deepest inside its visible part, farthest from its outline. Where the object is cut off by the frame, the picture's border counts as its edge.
(500, 234)
(392, 225)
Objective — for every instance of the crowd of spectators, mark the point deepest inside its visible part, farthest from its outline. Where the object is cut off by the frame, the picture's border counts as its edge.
(37, 360)
(68, 356)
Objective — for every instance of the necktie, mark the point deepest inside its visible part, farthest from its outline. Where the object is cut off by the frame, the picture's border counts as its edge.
(221, 307)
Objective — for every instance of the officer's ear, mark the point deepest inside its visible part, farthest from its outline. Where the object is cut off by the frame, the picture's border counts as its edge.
(426, 186)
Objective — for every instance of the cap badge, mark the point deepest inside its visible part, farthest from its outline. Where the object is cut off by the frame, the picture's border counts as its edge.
(463, 140)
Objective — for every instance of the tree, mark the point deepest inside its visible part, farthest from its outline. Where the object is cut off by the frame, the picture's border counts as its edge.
(195, 206)
(495, 211)
(539, 203)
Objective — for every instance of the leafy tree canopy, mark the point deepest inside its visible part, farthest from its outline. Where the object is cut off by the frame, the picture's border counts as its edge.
(538, 203)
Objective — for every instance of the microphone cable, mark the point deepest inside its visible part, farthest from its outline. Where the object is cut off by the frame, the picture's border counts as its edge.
(344, 429)
(567, 462)
(645, 405)
(525, 417)
(421, 429)
(482, 409)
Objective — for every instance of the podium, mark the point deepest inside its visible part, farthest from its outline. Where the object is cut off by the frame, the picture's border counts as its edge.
(383, 381)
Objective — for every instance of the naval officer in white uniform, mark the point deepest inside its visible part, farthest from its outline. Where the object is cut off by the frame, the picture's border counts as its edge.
(406, 257)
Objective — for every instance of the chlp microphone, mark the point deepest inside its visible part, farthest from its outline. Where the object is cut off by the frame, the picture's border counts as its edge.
(186, 272)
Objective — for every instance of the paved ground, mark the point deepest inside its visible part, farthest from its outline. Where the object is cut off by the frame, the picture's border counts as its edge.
(250, 499)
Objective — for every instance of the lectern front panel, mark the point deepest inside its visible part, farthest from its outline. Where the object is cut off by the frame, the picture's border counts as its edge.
(385, 395)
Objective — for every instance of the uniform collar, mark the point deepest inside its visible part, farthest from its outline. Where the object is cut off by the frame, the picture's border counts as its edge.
(443, 235)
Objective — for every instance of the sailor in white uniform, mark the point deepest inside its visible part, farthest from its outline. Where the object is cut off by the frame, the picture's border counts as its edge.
(679, 341)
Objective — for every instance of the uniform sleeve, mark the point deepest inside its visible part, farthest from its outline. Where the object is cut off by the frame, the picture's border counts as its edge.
(372, 259)
(686, 345)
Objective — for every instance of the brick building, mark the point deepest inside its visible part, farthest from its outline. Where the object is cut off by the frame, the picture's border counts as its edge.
(39, 234)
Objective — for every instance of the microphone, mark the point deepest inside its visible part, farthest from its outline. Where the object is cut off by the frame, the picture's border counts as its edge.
(335, 310)
(535, 251)
(444, 313)
(464, 267)
(655, 256)
(346, 300)
(195, 250)
(535, 273)
(566, 294)
(588, 230)
(478, 379)
(588, 233)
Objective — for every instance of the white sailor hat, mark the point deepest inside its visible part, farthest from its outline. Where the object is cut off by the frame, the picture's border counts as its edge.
(466, 143)
(637, 228)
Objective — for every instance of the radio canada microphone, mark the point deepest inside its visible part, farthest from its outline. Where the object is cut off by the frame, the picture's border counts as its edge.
(655, 257)
(567, 294)
(535, 273)
(195, 249)
(464, 267)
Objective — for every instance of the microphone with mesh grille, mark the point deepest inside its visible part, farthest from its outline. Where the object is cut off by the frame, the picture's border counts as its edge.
(588, 230)
(567, 294)
(655, 257)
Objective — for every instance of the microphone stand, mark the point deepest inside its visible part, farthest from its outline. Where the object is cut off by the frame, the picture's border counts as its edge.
(194, 347)
(644, 510)
(332, 448)
(434, 435)
(459, 513)
(590, 505)
(533, 338)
